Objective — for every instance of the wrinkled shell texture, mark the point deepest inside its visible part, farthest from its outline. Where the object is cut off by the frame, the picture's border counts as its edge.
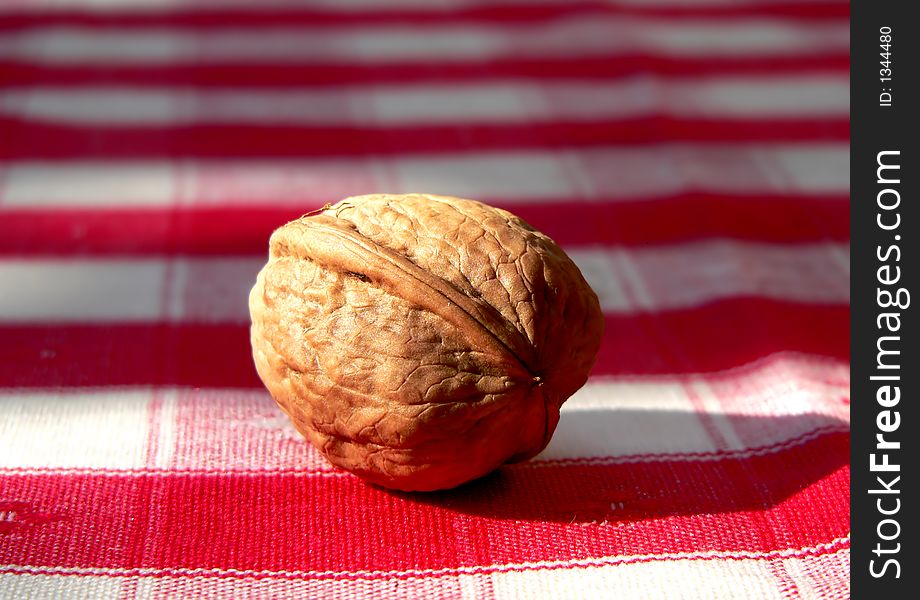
(421, 341)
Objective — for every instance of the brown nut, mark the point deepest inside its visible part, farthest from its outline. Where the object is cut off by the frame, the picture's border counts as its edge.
(421, 341)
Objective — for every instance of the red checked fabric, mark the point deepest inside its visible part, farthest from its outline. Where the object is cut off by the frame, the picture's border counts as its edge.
(692, 157)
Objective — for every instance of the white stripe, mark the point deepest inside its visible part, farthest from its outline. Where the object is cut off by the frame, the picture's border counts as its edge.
(44, 185)
(772, 405)
(708, 403)
(630, 172)
(691, 274)
(215, 290)
(614, 417)
(624, 277)
(447, 586)
(569, 37)
(470, 586)
(769, 402)
(166, 430)
(608, 173)
(298, 472)
(81, 290)
(815, 576)
(722, 576)
(105, 290)
(838, 545)
(664, 580)
(38, 587)
(507, 103)
(325, 470)
(98, 429)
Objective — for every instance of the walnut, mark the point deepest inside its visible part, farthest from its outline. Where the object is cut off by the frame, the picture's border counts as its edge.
(421, 341)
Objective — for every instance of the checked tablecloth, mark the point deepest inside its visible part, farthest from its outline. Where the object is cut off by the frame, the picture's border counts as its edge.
(692, 157)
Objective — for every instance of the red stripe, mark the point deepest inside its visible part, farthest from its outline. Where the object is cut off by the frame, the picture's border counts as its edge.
(791, 499)
(717, 336)
(721, 335)
(31, 139)
(442, 581)
(245, 229)
(205, 17)
(270, 74)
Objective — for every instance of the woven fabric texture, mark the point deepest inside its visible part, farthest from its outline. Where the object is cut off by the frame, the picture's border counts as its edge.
(691, 157)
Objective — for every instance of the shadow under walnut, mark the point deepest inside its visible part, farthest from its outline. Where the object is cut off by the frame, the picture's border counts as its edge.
(421, 341)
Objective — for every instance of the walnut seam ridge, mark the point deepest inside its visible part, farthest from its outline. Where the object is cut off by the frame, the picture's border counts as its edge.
(324, 243)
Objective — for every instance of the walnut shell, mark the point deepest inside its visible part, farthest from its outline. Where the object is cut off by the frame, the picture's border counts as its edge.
(421, 341)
